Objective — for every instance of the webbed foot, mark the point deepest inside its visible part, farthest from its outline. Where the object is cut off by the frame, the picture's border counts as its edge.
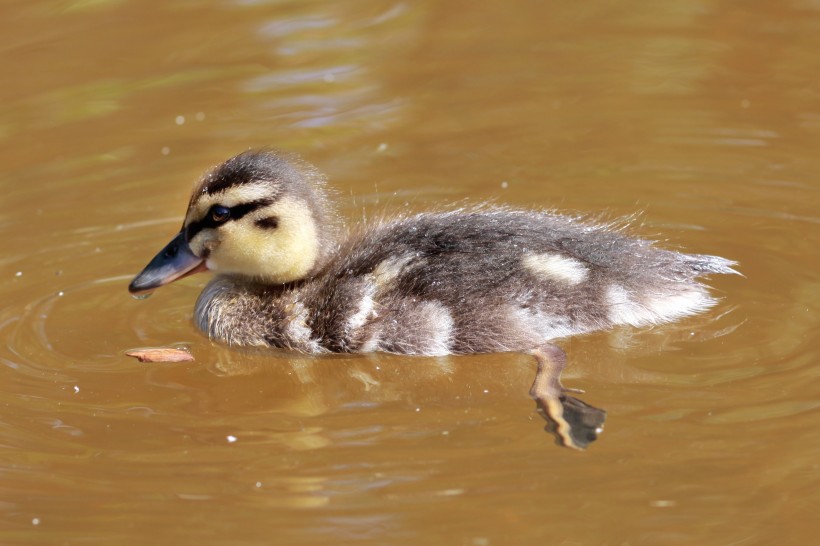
(574, 423)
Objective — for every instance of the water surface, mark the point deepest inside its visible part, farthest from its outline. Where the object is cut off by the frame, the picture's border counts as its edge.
(702, 116)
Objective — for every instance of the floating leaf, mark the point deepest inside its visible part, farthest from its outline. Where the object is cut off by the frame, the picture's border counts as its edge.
(161, 354)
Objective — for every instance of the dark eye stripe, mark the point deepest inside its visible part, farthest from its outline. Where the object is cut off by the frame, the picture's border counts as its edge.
(237, 212)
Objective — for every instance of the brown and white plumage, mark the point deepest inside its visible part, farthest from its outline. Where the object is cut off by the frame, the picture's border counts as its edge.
(484, 279)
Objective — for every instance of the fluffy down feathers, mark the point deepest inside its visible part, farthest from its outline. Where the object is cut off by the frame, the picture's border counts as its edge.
(483, 280)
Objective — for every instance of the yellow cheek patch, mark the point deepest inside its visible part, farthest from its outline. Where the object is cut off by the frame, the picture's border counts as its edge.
(284, 254)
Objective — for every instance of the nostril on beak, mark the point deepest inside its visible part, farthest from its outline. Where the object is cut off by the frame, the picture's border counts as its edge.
(171, 251)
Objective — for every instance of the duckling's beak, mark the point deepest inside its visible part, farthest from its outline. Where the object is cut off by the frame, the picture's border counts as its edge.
(173, 262)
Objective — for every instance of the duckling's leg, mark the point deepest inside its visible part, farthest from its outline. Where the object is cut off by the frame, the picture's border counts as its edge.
(574, 423)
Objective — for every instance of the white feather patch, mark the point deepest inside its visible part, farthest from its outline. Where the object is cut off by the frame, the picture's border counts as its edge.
(556, 267)
(542, 325)
(441, 325)
(372, 344)
(627, 308)
(365, 312)
(298, 332)
(387, 271)
(674, 306)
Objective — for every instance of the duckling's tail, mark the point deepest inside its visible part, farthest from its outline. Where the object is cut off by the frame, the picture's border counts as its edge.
(704, 264)
(655, 299)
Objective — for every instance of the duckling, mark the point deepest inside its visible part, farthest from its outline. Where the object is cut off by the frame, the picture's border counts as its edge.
(473, 280)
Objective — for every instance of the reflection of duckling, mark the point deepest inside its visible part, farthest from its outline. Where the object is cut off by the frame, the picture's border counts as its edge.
(483, 279)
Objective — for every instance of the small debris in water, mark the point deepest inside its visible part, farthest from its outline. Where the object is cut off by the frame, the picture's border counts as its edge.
(60, 294)
(76, 389)
(165, 150)
(382, 147)
(35, 521)
(143, 296)
(18, 274)
(200, 116)
(258, 484)
(663, 503)
(231, 438)
(161, 354)
(180, 120)
(504, 184)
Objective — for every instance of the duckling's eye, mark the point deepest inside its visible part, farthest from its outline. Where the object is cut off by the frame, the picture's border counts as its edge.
(220, 214)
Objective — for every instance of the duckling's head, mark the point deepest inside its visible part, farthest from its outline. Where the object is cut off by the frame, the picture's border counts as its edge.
(260, 215)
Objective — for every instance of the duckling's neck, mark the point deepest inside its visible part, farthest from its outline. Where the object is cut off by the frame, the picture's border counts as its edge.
(233, 311)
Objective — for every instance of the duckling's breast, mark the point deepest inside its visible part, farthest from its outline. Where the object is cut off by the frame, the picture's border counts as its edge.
(243, 314)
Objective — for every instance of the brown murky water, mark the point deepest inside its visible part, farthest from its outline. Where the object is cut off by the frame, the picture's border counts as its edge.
(704, 115)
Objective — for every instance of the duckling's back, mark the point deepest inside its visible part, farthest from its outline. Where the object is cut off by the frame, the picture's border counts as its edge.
(482, 281)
